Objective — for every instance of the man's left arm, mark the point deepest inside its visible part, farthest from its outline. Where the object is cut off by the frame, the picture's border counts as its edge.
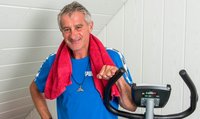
(125, 99)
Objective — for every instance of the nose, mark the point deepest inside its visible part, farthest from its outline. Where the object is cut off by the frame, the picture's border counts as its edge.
(74, 34)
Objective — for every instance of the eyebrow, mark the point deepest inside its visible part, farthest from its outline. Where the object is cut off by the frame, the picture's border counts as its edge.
(79, 25)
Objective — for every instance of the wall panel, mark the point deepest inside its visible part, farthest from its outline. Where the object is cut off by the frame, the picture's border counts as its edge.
(133, 37)
(173, 51)
(102, 36)
(12, 113)
(153, 41)
(115, 31)
(15, 104)
(11, 16)
(14, 71)
(192, 50)
(23, 55)
(7, 85)
(29, 38)
(13, 94)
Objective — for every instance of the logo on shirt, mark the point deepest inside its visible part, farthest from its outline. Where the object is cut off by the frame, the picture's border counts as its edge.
(88, 73)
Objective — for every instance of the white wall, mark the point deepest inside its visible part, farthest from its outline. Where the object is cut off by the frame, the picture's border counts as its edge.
(158, 38)
(26, 39)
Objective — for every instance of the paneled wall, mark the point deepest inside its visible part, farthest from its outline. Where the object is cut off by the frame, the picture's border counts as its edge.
(26, 36)
(158, 38)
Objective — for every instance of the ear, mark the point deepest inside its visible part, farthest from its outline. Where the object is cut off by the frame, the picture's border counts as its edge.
(91, 26)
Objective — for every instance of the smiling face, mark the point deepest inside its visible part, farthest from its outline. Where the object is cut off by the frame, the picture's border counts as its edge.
(76, 32)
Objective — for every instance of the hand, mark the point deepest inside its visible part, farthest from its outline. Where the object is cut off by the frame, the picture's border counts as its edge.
(107, 71)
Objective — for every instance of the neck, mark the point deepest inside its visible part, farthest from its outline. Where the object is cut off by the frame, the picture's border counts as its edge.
(79, 55)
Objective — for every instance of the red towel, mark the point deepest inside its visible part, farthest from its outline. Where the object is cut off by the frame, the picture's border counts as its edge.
(61, 70)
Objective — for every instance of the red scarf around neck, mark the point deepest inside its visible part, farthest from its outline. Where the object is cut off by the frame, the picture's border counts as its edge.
(61, 70)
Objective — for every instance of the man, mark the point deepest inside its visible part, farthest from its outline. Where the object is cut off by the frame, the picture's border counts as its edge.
(77, 74)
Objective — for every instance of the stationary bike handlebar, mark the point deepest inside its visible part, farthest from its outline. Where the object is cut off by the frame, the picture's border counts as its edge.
(183, 114)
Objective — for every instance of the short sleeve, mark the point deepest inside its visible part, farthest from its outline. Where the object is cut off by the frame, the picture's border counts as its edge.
(119, 61)
(41, 76)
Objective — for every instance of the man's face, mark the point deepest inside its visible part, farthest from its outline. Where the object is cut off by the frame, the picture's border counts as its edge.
(76, 31)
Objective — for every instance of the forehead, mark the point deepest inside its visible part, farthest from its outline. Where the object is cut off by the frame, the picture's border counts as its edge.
(73, 17)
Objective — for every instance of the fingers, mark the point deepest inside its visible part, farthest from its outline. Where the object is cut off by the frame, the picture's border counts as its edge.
(107, 72)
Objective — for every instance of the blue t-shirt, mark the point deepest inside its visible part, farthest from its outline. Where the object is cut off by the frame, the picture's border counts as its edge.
(86, 104)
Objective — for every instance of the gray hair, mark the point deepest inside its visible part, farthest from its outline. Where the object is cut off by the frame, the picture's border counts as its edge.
(74, 7)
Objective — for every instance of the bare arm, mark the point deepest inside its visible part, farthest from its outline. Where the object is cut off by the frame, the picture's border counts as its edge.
(125, 99)
(40, 102)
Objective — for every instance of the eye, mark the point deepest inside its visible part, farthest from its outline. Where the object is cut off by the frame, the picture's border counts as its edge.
(66, 30)
(78, 27)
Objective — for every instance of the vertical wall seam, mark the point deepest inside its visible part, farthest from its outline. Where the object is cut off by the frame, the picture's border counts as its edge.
(123, 34)
(142, 43)
(163, 39)
(106, 36)
(184, 50)
(123, 31)
(185, 39)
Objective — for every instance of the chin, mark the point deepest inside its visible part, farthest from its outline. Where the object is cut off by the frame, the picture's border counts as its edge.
(76, 49)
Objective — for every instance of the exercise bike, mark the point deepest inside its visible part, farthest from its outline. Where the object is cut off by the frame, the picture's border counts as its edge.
(150, 97)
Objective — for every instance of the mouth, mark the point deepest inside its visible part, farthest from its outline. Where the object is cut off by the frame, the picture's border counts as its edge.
(77, 41)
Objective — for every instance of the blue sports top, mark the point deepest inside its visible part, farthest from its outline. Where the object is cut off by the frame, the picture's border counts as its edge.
(86, 104)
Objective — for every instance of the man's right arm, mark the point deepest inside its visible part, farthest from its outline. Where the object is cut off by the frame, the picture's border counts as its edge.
(39, 102)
